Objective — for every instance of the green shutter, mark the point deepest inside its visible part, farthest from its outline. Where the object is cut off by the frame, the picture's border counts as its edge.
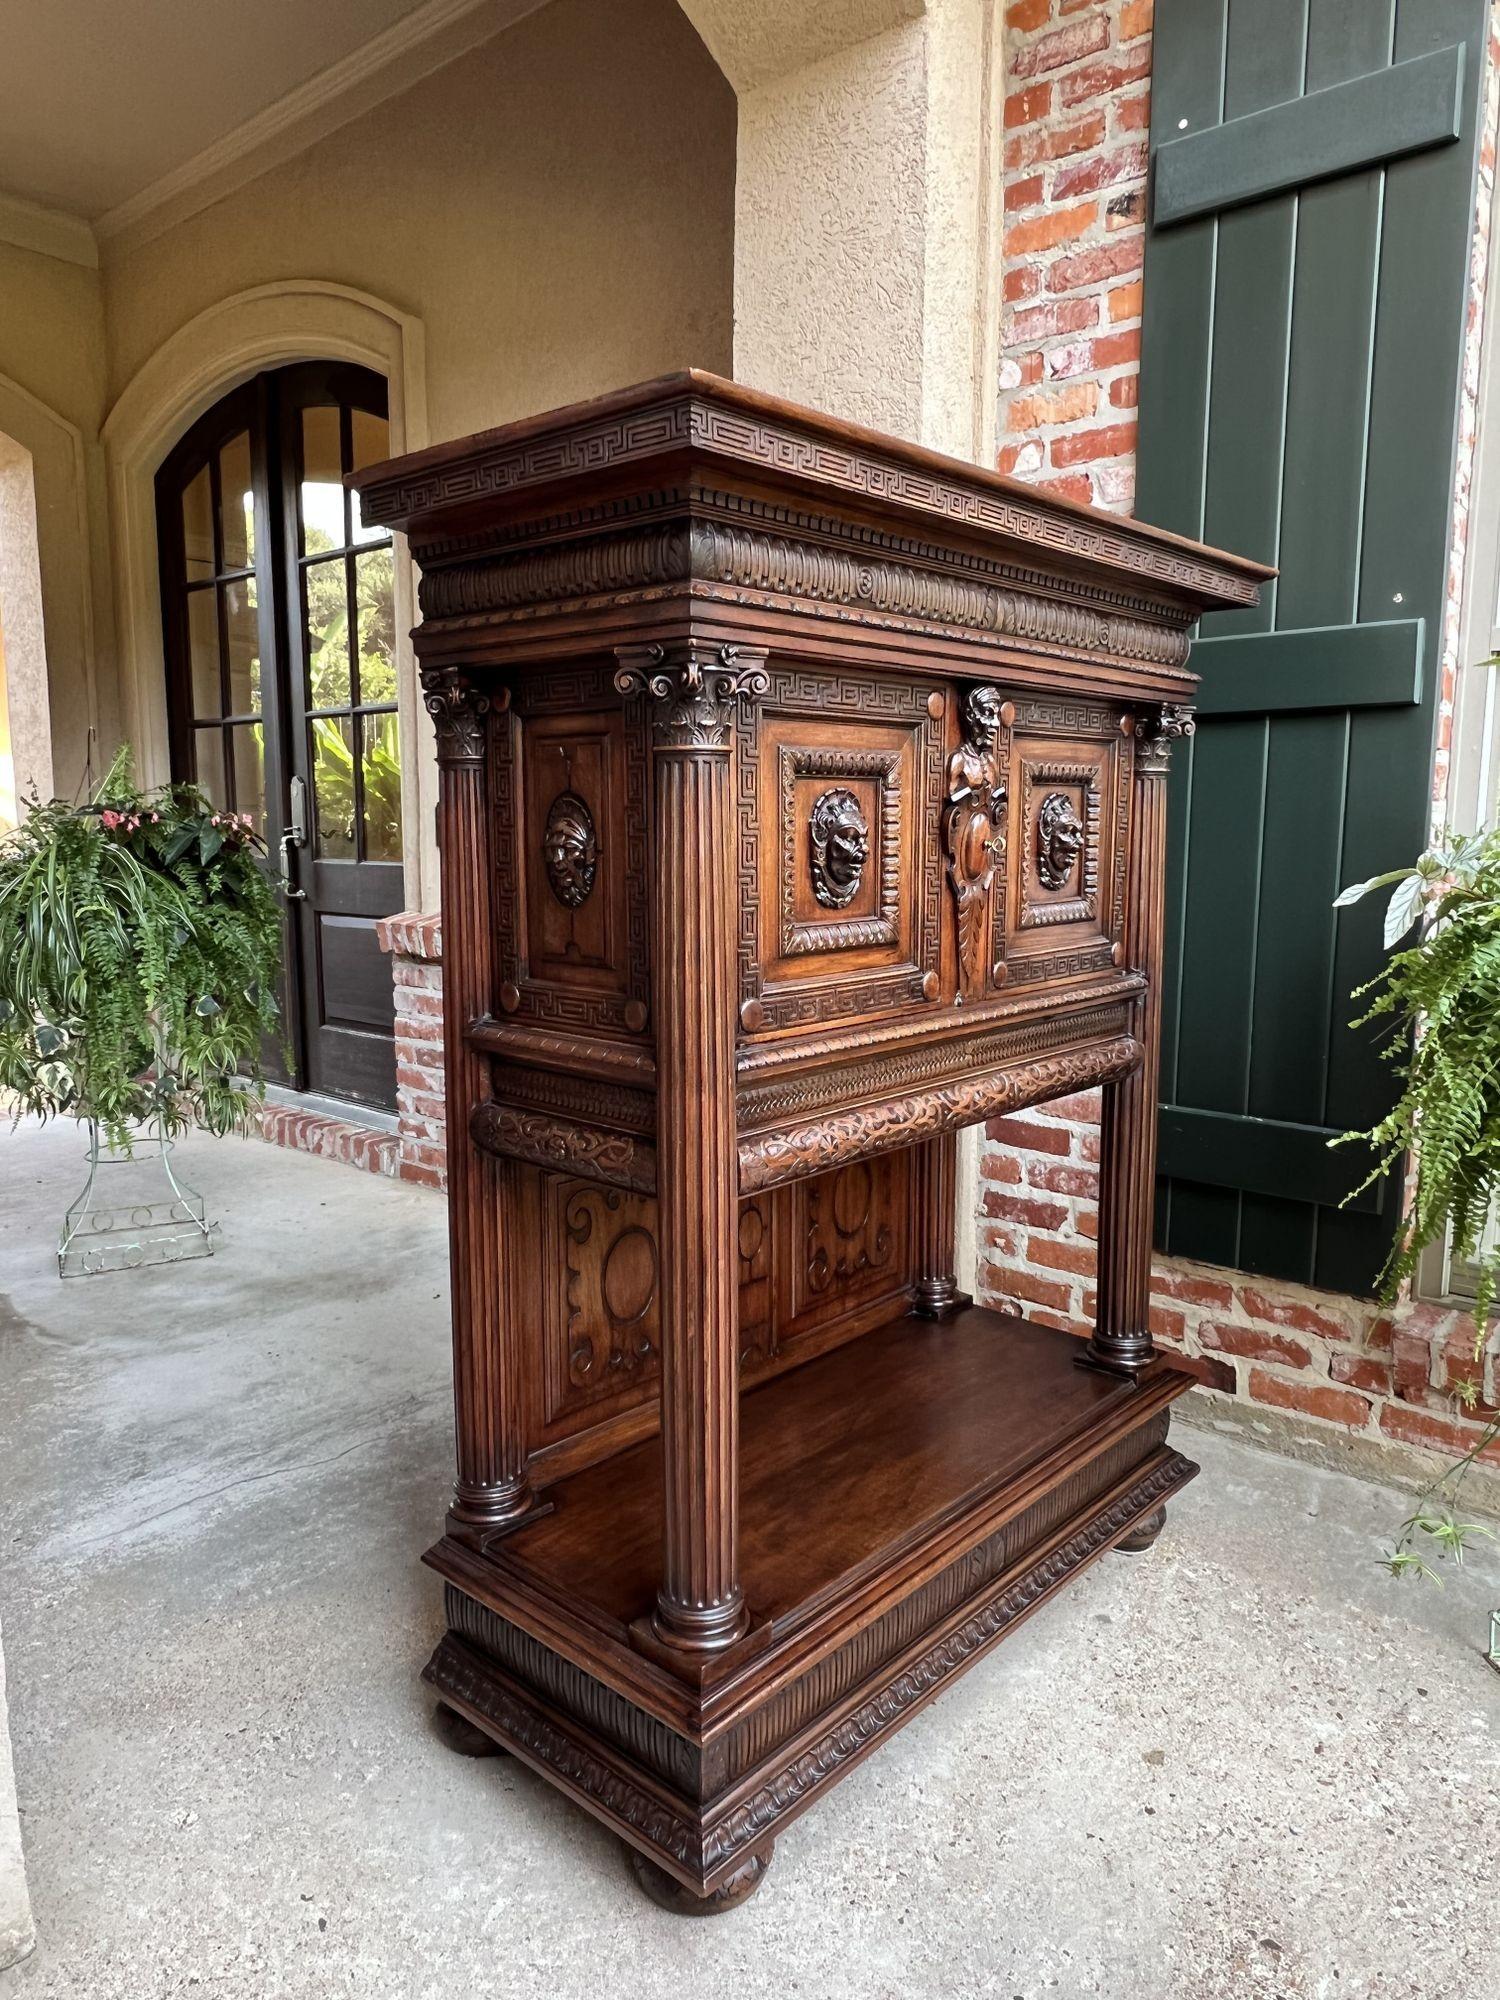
(1305, 306)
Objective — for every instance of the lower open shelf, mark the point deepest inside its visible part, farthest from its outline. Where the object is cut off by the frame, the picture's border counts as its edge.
(844, 1462)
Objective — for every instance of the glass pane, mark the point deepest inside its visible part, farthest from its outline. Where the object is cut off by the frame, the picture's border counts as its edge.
(203, 652)
(248, 743)
(242, 628)
(322, 482)
(208, 760)
(372, 441)
(237, 503)
(198, 528)
(325, 591)
(333, 786)
(376, 604)
(380, 752)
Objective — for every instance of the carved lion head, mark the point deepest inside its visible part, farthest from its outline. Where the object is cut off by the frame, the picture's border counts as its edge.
(1059, 840)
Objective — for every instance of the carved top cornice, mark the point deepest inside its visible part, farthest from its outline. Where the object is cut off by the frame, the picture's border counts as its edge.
(659, 428)
(693, 689)
(459, 708)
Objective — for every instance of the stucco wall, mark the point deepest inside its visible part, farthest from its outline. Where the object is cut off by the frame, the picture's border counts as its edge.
(557, 207)
(52, 389)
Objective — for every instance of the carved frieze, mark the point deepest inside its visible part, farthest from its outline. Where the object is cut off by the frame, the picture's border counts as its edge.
(549, 1141)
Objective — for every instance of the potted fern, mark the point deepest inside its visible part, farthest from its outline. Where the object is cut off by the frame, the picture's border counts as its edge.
(1441, 997)
(140, 944)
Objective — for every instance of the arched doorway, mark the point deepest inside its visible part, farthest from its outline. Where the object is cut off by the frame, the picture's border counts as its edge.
(279, 641)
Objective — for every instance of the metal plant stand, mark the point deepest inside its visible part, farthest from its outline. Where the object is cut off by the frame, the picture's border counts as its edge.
(110, 1227)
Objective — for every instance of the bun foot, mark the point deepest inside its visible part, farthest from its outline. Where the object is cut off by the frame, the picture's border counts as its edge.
(667, 1892)
(457, 1733)
(1143, 1534)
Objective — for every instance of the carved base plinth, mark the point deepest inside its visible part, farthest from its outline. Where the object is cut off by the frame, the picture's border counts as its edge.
(939, 1300)
(456, 1733)
(1128, 1360)
(700, 1781)
(737, 1887)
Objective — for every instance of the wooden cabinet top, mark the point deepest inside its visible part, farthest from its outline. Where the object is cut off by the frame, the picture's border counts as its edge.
(695, 446)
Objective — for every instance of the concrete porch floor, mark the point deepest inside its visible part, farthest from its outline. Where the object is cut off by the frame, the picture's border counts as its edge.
(1246, 1763)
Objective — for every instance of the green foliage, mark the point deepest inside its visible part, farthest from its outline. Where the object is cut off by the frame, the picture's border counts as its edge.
(140, 945)
(1442, 998)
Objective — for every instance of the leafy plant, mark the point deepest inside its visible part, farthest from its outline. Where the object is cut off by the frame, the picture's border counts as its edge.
(1441, 996)
(140, 944)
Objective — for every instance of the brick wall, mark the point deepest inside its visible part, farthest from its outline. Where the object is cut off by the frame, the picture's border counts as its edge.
(1077, 112)
(415, 944)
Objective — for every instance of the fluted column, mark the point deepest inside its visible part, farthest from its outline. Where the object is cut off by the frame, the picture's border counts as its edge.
(934, 1166)
(1122, 1341)
(491, 1489)
(691, 691)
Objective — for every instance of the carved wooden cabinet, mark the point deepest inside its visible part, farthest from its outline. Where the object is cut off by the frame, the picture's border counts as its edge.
(801, 802)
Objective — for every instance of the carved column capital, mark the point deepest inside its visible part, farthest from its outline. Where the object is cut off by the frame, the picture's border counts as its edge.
(458, 708)
(693, 688)
(1155, 733)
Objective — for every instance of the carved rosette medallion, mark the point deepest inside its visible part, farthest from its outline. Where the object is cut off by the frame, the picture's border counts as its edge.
(973, 827)
(1156, 733)
(459, 710)
(838, 847)
(1059, 840)
(694, 689)
(570, 848)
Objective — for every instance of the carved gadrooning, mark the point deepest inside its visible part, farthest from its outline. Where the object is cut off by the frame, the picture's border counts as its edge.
(1059, 841)
(973, 824)
(570, 847)
(838, 847)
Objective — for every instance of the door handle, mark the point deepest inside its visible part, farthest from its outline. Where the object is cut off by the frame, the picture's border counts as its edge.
(295, 836)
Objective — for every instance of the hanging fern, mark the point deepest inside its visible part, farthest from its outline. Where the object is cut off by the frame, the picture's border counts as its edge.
(140, 945)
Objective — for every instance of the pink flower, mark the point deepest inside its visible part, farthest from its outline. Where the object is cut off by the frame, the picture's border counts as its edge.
(109, 819)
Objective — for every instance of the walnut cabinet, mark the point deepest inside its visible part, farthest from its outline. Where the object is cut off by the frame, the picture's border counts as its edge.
(801, 803)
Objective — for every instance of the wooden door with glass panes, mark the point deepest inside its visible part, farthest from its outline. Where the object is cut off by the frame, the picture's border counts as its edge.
(279, 625)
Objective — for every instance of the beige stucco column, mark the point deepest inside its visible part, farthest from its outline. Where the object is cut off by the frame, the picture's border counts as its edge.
(867, 217)
(16, 1933)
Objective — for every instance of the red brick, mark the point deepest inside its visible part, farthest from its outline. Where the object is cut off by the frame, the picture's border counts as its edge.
(1378, 1336)
(1132, 113)
(1311, 1399)
(1126, 210)
(1024, 1208)
(1322, 1325)
(1025, 1284)
(1091, 266)
(1167, 1323)
(1024, 193)
(1009, 1243)
(1024, 282)
(1191, 1289)
(1046, 231)
(1083, 447)
(1361, 1371)
(1056, 316)
(1026, 107)
(1024, 15)
(1056, 406)
(1082, 1105)
(1038, 144)
(1009, 461)
(1070, 486)
(1253, 1343)
(411, 1170)
(1063, 46)
(1412, 1354)
(1450, 1435)
(1030, 1135)
(1057, 1179)
(1099, 170)
(1060, 1255)
(1105, 79)
(1135, 19)
(1125, 392)
(1086, 1222)
(1000, 1167)
(1125, 303)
